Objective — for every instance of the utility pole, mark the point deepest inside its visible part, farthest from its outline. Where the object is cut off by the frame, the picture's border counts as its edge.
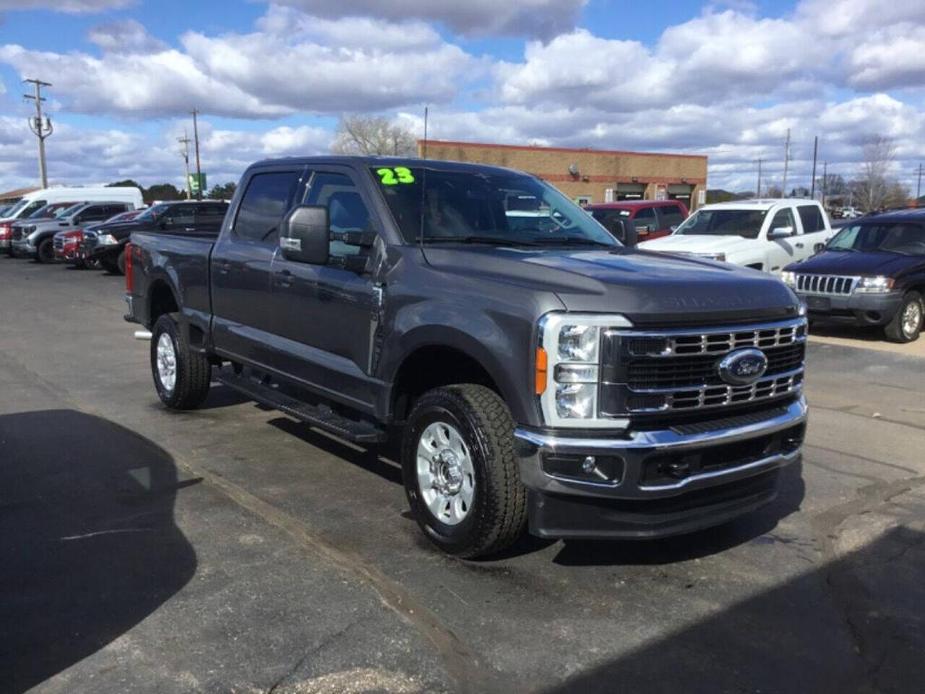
(758, 191)
(783, 188)
(918, 187)
(812, 194)
(185, 154)
(196, 141)
(825, 180)
(40, 129)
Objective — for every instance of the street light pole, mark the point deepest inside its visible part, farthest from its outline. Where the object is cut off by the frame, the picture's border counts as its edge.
(185, 154)
(40, 129)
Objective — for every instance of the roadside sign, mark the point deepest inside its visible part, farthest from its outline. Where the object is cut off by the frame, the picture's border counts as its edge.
(197, 183)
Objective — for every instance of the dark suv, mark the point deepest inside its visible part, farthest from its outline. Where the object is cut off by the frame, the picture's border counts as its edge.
(871, 273)
(107, 245)
(34, 238)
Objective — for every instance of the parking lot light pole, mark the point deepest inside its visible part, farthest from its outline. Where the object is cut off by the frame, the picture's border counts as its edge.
(41, 129)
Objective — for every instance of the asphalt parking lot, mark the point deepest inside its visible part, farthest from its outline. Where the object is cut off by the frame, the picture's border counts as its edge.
(233, 549)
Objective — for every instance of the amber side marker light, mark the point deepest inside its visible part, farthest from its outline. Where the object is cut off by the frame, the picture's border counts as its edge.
(542, 365)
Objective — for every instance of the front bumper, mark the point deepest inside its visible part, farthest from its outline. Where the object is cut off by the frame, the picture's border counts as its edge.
(23, 247)
(5, 242)
(854, 309)
(657, 483)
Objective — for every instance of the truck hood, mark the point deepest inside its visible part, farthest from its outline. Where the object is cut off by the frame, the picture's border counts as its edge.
(730, 245)
(870, 263)
(649, 288)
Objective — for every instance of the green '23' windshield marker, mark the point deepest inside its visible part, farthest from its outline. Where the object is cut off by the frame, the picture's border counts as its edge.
(393, 177)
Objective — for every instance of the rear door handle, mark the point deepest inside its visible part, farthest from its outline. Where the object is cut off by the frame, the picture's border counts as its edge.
(224, 267)
(799, 245)
(285, 279)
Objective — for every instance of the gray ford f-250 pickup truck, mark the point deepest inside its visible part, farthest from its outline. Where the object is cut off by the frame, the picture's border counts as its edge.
(537, 374)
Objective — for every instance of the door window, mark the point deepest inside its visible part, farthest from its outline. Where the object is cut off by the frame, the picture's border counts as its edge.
(182, 216)
(671, 216)
(264, 204)
(210, 216)
(783, 218)
(645, 217)
(811, 216)
(346, 208)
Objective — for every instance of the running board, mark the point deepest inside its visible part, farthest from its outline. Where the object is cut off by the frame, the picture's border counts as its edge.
(320, 416)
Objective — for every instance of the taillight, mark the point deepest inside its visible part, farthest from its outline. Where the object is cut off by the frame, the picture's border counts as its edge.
(129, 280)
(4, 230)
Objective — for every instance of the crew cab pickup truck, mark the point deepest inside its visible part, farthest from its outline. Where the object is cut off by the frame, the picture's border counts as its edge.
(541, 376)
(871, 274)
(761, 234)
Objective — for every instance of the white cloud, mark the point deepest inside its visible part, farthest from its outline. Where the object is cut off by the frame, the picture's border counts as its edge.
(290, 63)
(543, 19)
(67, 6)
(126, 36)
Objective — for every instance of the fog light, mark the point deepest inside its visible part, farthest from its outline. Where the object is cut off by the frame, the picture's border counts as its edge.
(588, 464)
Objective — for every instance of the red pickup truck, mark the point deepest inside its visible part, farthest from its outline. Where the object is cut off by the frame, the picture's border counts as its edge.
(652, 218)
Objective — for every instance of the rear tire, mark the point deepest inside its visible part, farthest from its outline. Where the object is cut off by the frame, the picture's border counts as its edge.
(120, 262)
(181, 376)
(109, 266)
(459, 471)
(906, 325)
(45, 253)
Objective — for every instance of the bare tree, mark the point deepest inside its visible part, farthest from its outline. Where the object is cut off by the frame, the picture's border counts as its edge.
(874, 183)
(371, 135)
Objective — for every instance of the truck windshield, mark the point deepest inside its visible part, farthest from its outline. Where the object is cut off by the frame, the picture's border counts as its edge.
(905, 239)
(24, 208)
(745, 223)
(484, 208)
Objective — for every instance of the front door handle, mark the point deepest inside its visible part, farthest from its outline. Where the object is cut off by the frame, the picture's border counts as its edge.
(285, 279)
(224, 267)
(799, 245)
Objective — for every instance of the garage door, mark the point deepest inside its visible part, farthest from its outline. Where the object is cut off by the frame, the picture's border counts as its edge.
(631, 191)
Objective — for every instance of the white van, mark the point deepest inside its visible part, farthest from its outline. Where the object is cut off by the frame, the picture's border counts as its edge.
(39, 198)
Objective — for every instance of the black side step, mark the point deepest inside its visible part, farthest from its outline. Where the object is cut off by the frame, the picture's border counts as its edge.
(319, 416)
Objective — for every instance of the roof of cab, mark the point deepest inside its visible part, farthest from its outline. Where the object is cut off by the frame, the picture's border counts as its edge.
(911, 214)
(372, 162)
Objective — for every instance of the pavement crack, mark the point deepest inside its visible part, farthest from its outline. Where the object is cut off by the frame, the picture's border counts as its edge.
(462, 664)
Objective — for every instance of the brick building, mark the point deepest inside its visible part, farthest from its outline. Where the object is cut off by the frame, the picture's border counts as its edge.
(591, 175)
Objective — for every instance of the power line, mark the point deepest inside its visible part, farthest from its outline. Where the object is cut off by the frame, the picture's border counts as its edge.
(40, 129)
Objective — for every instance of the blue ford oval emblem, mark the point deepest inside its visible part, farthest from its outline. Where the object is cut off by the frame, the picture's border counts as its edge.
(742, 367)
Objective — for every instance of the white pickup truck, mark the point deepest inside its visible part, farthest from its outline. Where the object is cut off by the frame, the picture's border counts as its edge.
(762, 234)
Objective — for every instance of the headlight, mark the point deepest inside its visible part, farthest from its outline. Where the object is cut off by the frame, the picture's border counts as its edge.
(789, 278)
(875, 285)
(568, 368)
(106, 240)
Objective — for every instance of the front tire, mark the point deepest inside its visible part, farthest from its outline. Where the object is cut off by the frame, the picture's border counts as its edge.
(110, 266)
(906, 325)
(181, 376)
(45, 253)
(459, 471)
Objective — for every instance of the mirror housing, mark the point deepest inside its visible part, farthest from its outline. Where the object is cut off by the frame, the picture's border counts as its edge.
(780, 233)
(623, 232)
(305, 235)
(819, 247)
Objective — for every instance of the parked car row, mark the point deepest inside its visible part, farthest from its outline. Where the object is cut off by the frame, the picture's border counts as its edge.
(94, 232)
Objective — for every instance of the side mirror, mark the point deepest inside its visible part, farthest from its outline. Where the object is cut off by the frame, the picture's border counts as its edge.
(305, 235)
(780, 233)
(623, 232)
(819, 247)
(166, 222)
(674, 228)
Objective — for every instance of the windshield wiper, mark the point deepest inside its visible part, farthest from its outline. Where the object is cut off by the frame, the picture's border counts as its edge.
(570, 241)
(486, 240)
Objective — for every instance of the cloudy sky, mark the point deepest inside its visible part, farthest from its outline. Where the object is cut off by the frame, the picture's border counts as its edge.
(725, 79)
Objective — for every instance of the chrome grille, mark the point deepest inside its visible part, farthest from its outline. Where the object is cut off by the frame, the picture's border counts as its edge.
(676, 370)
(708, 342)
(826, 284)
(59, 243)
(713, 396)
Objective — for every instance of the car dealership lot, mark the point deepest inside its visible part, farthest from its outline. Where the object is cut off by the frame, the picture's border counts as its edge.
(232, 549)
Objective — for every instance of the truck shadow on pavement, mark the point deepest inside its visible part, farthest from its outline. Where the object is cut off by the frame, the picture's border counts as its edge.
(88, 543)
(854, 624)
